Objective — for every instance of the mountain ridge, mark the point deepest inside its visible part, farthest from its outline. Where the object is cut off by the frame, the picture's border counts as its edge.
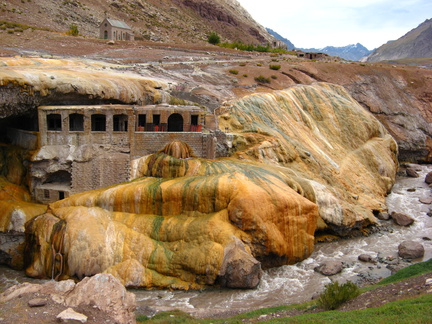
(417, 43)
(179, 21)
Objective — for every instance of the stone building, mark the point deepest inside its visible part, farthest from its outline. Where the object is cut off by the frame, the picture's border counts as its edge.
(80, 148)
(115, 30)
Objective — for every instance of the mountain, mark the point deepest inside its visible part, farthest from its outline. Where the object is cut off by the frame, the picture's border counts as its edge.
(176, 21)
(415, 44)
(353, 52)
(281, 38)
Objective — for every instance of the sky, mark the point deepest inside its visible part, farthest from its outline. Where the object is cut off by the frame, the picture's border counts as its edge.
(320, 23)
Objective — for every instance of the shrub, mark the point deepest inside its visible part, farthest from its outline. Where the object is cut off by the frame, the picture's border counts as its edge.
(275, 67)
(262, 79)
(214, 38)
(235, 72)
(274, 77)
(245, 75)
(73, 30)
(335, 295)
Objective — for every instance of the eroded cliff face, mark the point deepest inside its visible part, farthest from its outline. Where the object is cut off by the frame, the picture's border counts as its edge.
(322, 134)
(303, 159)
(26, 83)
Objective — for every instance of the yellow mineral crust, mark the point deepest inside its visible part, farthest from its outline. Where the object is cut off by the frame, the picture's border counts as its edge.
(83, 77)
(175, 232)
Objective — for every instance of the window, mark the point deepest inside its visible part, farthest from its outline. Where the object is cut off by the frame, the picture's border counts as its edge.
(141, 123)
(54, 122)
(120, 123)
(46, 194)
(194, 120)
(98, 123)
(76, 122)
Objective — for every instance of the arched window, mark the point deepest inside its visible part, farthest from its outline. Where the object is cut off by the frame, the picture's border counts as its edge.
(120, 123)
(76, 122)
(54, 122)
(175, 123)
(98, 123)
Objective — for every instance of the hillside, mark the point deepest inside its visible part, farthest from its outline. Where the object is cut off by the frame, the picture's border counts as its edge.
(415, 44)
(164, 21)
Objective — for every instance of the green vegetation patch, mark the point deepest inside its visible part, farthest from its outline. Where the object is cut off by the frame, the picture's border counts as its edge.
(262, 79)
(335, 294)
(417, 310)
(408, 272)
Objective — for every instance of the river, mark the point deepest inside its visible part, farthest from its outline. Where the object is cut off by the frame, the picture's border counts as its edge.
(298, 283)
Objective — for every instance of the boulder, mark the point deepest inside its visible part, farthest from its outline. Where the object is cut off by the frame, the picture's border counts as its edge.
(102, 296)
(70, 316)
(426, 200)
(428, 178)
(239, 269)
(366, 258)
(411, 250)
(412, 173)
(329, 268)
(383, 216)
(402, 219)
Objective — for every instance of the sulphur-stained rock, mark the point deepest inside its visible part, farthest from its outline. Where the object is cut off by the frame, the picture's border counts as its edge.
(411, 250)
(161, 232)
(402, 219)
(306, 158)
(26, 83)
(319, 132)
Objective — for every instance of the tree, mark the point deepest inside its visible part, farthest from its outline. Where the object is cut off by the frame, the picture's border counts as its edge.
(214, 38)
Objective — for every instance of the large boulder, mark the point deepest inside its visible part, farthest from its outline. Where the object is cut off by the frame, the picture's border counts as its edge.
(428, 178)
(411, 250)
(402, 219)
(101, 297)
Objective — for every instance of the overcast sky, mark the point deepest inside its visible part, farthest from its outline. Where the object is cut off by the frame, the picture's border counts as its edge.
(320, 23)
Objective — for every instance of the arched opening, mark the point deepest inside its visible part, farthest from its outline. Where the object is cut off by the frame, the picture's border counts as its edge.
(175, 123)
(54, 122)
(106, 34)
(120, 123)
(98, 123)
(76, 122)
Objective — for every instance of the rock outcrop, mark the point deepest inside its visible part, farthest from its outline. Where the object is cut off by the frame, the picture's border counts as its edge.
(27, 83)
(303, 159)
(101, 297)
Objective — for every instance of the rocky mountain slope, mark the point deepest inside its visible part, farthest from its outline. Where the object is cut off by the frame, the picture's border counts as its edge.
(415, 44)
(353, 52)
(166, 21)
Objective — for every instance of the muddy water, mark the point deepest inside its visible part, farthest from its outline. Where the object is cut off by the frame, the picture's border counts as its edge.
(299, 282)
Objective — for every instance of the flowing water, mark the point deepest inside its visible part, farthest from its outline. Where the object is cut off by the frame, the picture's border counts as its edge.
(299, 282)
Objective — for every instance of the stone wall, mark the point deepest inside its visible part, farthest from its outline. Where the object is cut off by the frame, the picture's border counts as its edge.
(148, 143)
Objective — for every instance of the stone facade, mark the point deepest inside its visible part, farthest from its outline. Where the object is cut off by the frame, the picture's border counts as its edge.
(115, 30)
(89, 147)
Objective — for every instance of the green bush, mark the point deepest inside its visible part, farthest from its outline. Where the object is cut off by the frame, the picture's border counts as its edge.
(235, 72)
(73, 30)
(274, 77)
(335, 295)
(275, 67)
(214, 38)
(262, 79)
